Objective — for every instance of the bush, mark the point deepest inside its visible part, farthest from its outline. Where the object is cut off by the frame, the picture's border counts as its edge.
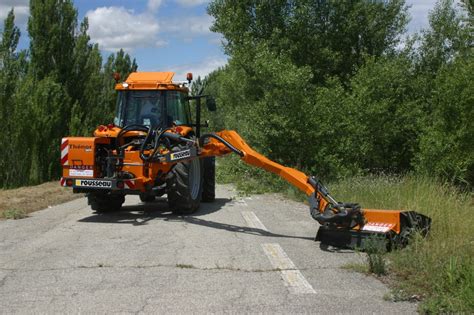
(447, 142)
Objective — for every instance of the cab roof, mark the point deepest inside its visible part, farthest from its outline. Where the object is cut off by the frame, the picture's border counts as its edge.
(151, 81)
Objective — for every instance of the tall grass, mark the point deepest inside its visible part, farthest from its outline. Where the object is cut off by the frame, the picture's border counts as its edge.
(440, 268)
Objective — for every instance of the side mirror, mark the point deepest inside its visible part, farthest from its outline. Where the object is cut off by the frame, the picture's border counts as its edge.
(211, 104)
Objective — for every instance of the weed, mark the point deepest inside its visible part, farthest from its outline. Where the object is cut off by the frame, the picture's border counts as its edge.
(358, 267)
(14, 214)
(376, 248)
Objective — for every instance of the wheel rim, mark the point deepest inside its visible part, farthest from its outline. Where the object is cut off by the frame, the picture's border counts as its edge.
(195, 178)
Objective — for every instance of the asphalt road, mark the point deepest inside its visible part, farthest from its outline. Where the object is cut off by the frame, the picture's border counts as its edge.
(236, 255)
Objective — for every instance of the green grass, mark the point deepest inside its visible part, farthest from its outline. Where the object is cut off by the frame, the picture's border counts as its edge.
(14, 214)
(440, 268)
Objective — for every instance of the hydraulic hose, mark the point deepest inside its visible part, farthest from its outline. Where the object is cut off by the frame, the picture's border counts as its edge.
(132, 127)
(142, 148)
(224, 142)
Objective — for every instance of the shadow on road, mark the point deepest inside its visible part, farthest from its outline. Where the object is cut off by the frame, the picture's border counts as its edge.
(238, 229)
(141, 213)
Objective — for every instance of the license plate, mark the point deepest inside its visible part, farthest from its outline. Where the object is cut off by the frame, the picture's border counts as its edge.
(93, 183)
(81, 173)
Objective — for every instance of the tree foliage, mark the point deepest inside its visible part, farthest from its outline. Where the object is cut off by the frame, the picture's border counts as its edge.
(333, 87)
(331, 37)
(58, 87)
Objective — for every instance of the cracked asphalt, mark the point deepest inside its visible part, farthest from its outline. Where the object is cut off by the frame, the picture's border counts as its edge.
(143, 259)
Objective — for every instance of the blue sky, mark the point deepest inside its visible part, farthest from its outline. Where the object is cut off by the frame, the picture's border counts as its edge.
(164, 35)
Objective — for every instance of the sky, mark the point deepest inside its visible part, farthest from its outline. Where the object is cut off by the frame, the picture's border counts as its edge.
(163, 35)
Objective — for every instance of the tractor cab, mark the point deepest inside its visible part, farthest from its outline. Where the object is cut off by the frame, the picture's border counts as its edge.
(152, 99)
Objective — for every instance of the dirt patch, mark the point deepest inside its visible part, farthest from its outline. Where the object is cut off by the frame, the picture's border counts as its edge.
(32, 198)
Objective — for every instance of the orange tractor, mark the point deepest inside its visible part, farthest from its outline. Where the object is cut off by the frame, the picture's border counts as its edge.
(154, 148)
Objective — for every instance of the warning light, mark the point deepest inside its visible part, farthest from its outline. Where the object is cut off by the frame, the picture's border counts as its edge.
(189, 77)
(69, 182)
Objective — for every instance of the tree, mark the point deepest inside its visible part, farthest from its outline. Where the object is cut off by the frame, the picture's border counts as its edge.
(444, 65)
(445, 39)
(447, 142)
(8, 67)
(85, 85)
(12, 72)
(52, 26)
(332, 37)
(386, 106)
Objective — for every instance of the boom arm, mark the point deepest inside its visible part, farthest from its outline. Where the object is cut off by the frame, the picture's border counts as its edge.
(333, 215)
(324, 208)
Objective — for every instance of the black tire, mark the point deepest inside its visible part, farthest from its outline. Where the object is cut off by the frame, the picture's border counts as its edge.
(105, 202)
(209, 179)
(184, 187)
(147, 197)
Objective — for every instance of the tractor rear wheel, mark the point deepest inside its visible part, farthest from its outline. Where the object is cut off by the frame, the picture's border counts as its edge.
(105, 202)
(209, 179)
(184, 187)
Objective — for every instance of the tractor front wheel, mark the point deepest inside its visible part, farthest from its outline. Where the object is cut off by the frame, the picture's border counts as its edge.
(184, 187)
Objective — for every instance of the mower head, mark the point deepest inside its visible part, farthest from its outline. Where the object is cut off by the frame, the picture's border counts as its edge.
(392, 226)
(348, 225)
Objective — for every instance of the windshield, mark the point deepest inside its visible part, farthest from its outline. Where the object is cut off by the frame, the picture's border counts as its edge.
(148, 108)
(140, 108)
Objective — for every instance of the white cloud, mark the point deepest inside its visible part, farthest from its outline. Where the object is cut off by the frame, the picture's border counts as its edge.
(190, 26)
(21, 9)
(191, 3)
(153, 5)
(202, 68)
(115, 27)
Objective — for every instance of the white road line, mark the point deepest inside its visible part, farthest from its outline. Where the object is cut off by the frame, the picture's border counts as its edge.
(293, 278)
(253, 221)
(242, 202)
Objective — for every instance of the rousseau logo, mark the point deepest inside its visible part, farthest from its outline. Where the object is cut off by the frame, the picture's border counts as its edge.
(181, 155)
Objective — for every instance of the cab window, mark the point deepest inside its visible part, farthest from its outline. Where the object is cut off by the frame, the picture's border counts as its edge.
(177, 108)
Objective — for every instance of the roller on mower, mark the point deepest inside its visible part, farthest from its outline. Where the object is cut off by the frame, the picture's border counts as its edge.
(155, 148)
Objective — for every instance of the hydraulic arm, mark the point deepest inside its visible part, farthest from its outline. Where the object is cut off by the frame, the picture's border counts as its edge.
(342, 224)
